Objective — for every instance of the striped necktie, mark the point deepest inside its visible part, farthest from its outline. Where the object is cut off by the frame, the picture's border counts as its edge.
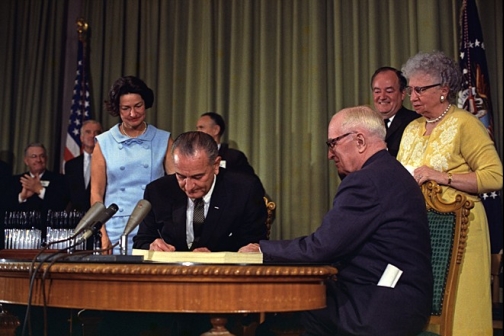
(198, 218)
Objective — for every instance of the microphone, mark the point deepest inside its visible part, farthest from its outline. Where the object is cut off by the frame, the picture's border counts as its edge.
(141, 210)
(102, 217)
(89, 218)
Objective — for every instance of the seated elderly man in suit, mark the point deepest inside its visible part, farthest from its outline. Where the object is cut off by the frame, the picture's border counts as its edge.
(381, 249)
(37, 189)
(78, 170)
(202, 207)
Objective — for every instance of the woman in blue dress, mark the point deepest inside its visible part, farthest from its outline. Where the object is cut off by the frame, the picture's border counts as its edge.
(127, 157)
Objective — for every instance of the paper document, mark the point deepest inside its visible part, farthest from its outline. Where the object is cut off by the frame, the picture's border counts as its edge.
(390, 277)
(201, 257)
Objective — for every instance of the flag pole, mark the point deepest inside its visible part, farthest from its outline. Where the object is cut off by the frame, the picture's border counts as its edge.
(80, 107)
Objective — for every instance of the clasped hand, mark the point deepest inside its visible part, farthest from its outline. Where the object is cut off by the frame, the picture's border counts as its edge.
(31, 185)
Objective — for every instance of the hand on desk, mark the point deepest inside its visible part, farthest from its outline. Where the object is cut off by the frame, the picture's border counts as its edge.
(201, 249)
(254, 247)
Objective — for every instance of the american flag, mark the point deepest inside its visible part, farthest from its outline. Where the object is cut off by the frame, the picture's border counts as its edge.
(80, 110)
(475, 98)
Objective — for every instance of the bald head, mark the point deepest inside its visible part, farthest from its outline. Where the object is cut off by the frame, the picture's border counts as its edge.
(354, 135)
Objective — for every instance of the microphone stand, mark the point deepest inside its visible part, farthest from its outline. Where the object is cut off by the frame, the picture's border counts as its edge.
(97, 243)
(124, 244)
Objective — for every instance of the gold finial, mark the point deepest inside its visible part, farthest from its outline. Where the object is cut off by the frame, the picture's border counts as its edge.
(82, 27)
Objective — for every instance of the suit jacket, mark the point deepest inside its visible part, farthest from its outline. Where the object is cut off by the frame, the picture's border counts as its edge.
(235, 159)
(74, 174)
(236, 215)
(366, 230)
(394, 133)
(5, 174)
(56, 195)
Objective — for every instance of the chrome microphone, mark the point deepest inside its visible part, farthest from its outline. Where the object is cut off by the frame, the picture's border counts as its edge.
(103, 217)
(89, 218)
(137, 216)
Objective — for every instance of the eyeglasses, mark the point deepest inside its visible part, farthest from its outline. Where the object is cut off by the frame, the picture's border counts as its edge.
(419, 89)
(35, 156)
(334, 141)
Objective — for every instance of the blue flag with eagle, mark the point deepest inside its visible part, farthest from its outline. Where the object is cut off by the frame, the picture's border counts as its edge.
(475, 98)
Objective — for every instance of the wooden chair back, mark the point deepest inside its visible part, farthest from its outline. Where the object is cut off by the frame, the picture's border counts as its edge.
(448, 224)
(270, 208)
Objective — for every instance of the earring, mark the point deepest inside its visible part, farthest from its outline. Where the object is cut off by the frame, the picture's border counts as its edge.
(442, 98)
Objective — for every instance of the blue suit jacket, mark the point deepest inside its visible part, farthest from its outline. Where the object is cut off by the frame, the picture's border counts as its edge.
(236, 215)
(378, 218)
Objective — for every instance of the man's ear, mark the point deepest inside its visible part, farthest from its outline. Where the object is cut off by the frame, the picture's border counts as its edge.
(361, 142)
(217, 165)
(216, 132)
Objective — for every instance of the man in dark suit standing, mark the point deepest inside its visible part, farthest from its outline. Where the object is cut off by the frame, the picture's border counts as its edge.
(78, 170)
(381, 248)
(5, 170)
(37, 189)
(5, 174)
(388, 85)
(229, 206)
(231, 159)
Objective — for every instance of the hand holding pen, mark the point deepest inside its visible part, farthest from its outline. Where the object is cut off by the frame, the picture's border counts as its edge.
(160, 245)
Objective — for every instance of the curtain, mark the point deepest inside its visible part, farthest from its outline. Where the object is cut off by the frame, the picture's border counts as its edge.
(275, 70)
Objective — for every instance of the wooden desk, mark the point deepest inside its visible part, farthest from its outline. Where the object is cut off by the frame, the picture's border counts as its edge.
(220, 288)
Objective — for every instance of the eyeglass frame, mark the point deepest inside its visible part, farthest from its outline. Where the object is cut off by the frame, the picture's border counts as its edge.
(331, 143)
(419, 89)
(35, 156)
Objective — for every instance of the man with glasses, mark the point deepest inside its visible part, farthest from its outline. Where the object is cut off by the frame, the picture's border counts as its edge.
(388, 85)
(37, 189)
(381, 249)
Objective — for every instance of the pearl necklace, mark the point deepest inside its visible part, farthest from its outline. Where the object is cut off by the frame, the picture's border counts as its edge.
(431, 121)
(123, 130)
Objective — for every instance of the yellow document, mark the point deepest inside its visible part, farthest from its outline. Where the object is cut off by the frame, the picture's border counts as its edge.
(201, 257)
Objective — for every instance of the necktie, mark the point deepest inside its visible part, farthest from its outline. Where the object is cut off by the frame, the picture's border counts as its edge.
(198, 218)
(87, 170)
(386, 123)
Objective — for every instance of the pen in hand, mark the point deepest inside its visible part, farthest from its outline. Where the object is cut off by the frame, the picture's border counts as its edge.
(160, 236)
(170, 247)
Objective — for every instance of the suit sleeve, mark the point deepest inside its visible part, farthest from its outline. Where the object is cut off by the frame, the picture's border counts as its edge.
(148, 229)
(253, 227)
(344, 228)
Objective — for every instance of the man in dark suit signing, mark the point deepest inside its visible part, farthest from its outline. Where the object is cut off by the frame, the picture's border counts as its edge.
(78, 170)
(231, 159)
(201, 207)
(380, 247)
(37, 189)
(388, 85)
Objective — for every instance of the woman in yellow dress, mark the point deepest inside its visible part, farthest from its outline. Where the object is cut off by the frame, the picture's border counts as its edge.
(452, 147)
